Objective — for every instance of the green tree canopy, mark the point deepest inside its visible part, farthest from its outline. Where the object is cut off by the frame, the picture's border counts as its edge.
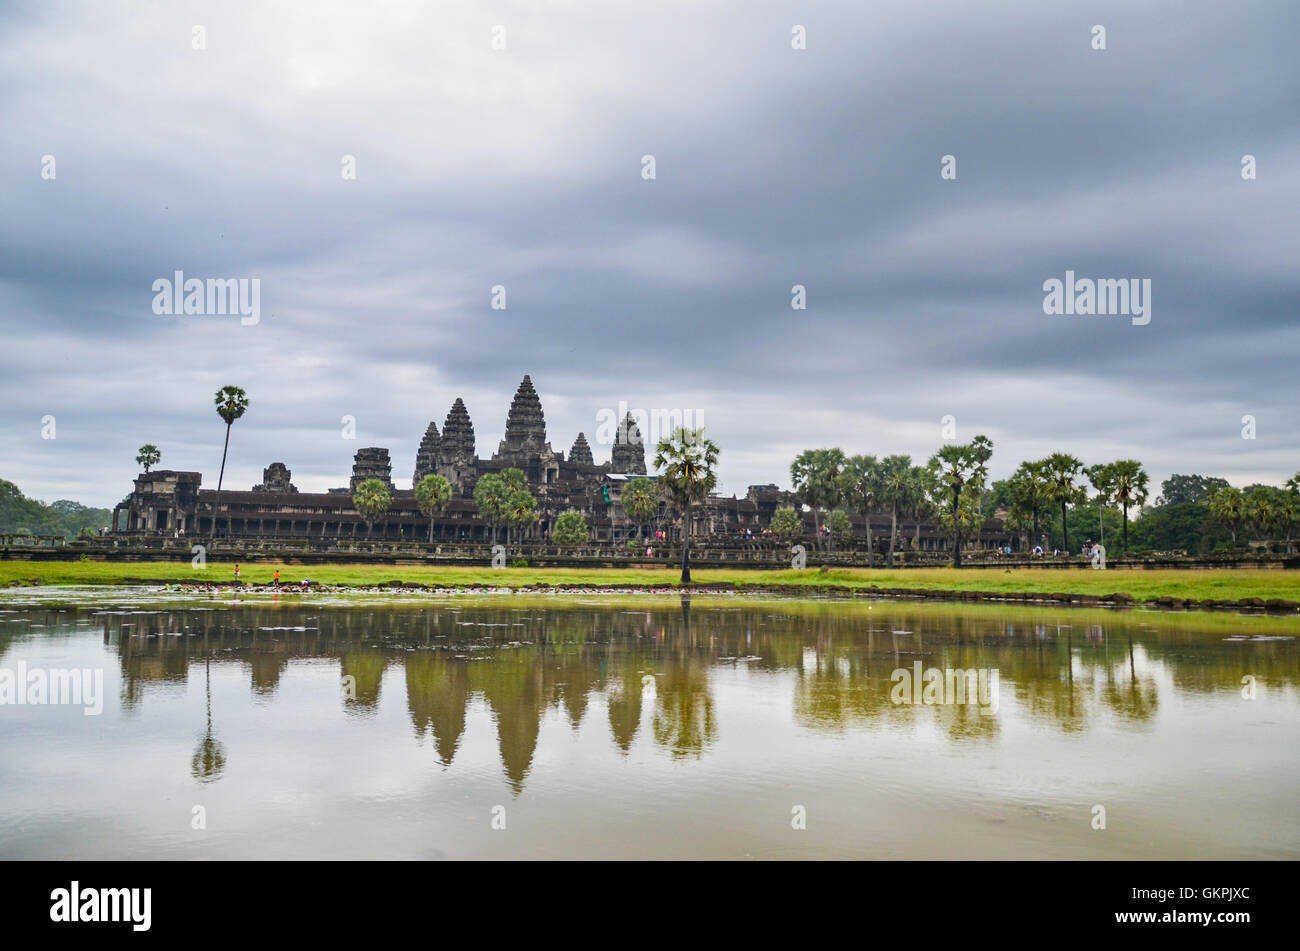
(900, 483)
(1178, 489)
(371, 500)
(492, 498)
(514, 479)
(1184, 526)
(570, 528)
(148, 456)
(432, 495)
(640, 501)
(63, 517)
(786, 522)
(816, 475)
(1228, 508)
(521, 510)
(1065, 486)
(839, 522)
(1260, 510)
(956, 468)
(232, 404)
(1128, 488)
(861, 486)
(1029, 495)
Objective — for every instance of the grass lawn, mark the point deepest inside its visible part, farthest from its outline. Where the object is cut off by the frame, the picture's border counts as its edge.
(1219, 584)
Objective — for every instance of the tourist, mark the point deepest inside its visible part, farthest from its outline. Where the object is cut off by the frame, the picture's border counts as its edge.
(277, 575)
(236, 574)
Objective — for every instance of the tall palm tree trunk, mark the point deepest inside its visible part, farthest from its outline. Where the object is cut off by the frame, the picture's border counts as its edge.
(1126, 529)
(216, 505)
(893, 534)
(1065, 530)
(956, 527)
(686, 546)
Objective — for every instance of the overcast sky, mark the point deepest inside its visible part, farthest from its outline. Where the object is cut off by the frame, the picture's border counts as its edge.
(523, 167)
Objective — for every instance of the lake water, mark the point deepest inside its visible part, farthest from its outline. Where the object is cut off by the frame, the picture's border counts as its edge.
(405, 726)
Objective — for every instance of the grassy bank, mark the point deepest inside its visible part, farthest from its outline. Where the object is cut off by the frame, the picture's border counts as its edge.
(1140, 585)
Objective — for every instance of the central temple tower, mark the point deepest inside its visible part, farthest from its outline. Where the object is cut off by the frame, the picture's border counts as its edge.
(525, 446)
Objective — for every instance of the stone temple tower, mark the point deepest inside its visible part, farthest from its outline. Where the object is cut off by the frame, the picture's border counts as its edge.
(525, 446)
(371, 463)
(580, 454)
(426, 457)
(628, 454)
(525, 427)
(455, 456)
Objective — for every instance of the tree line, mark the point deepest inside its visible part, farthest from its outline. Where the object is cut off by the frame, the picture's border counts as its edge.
(1047, 501)
(946, 489)
(20, 515)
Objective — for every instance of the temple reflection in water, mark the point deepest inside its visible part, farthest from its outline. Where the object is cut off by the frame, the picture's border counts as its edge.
(650, 670)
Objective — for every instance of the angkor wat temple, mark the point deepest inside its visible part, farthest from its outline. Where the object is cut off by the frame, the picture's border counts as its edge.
(171, 502)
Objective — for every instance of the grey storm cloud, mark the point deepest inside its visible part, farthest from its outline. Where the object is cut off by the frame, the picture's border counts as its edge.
(522, 167)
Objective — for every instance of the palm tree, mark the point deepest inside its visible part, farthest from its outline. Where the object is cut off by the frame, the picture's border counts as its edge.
(1029, 493)
(1289, 506)
(1260, 509)
(816, 476)
(1227, 506)
(514, 479)
(521, 511)
(921, 507)
(232, 403)
(1063, 471)
(432, 495)
(148, 455)
(1286, 513)
(491, 496)
(689, 463)
(1102, 478)
(1128, 488)
(957, 467)
(371, 500)
(897, 484)
(860, 486)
